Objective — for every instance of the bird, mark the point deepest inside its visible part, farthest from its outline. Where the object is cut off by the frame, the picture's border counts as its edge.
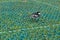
(35, 15)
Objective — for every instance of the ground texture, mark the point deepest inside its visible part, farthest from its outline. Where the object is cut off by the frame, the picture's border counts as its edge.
(16, 24)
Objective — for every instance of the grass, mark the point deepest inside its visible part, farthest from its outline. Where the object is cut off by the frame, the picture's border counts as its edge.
(16, 24)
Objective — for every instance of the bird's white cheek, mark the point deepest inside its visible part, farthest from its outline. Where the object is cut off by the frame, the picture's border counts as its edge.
(39, 13)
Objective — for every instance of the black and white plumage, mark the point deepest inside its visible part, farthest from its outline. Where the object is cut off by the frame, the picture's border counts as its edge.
(35, 15)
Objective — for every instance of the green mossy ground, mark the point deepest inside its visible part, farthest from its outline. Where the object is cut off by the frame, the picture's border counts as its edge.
(16, 24)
